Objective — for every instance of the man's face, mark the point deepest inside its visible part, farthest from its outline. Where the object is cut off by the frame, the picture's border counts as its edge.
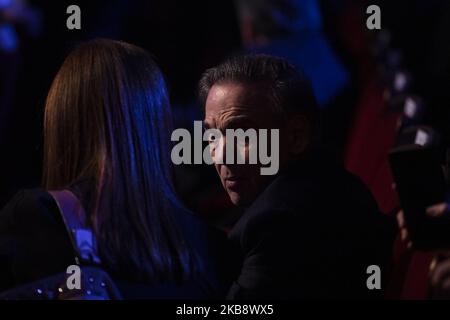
(240, 106)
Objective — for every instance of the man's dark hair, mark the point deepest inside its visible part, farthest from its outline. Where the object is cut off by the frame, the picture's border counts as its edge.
(288, 87)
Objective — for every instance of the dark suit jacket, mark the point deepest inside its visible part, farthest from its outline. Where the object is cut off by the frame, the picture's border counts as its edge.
(311, 233)
(34, 245)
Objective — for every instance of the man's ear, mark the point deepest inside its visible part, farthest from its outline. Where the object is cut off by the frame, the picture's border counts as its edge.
(298, 134)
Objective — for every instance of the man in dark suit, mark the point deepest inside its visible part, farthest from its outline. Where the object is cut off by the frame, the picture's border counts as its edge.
(311, 230)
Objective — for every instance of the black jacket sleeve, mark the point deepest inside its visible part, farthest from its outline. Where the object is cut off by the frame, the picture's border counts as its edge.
(268, 246)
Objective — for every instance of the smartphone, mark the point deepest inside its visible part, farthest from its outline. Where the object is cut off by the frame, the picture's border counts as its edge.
(420, 183)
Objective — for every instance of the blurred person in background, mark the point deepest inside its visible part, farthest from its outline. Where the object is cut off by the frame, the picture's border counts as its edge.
(293, 29)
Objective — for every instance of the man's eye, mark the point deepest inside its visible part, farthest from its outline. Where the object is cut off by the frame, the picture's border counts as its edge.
(212, 139)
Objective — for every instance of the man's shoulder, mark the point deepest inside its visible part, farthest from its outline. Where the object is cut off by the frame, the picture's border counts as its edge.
(312, 183)
(319, 192)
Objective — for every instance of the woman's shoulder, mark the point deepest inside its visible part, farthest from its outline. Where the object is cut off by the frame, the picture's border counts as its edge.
(29, 206)
(32, 233)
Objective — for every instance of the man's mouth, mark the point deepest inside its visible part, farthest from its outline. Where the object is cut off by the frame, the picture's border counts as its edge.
(232, 183)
